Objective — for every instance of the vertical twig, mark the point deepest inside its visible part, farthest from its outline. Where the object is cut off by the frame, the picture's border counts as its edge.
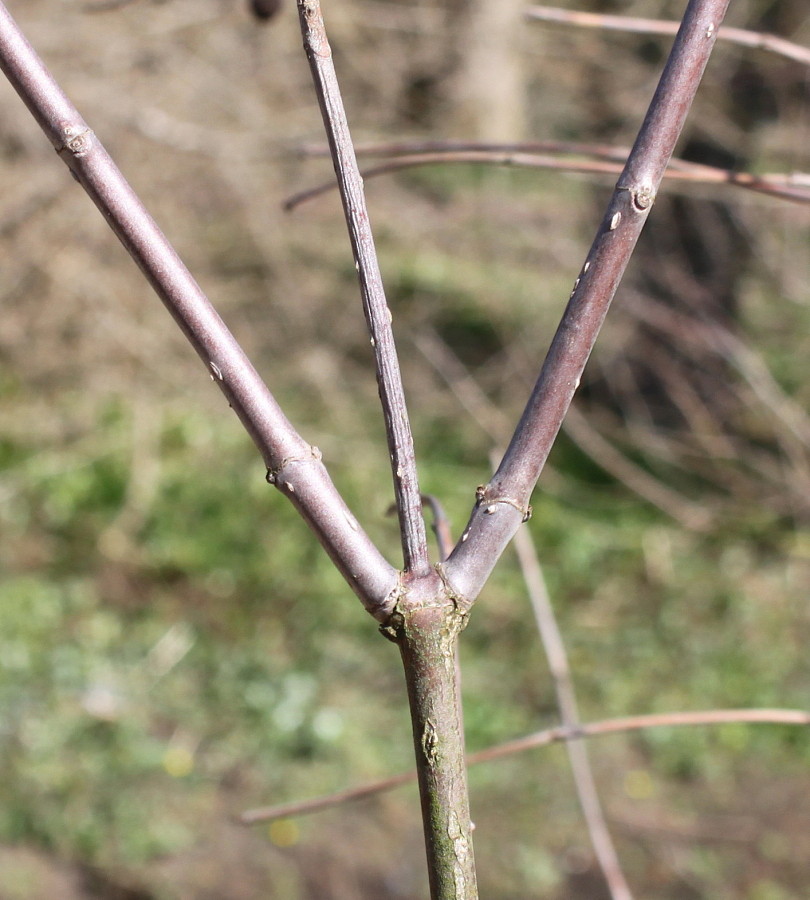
(378, 314)
(440, 525)
(292, 464)
(567, 702)
(502, 504)
(427, 621)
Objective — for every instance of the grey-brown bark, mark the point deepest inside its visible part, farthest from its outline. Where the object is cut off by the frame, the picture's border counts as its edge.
(422, 610)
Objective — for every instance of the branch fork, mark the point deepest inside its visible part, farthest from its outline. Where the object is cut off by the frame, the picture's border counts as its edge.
(422, 608)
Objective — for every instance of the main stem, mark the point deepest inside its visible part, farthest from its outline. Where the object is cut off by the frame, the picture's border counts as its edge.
(427, 638)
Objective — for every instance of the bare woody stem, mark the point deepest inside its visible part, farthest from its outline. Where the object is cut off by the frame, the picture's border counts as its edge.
(794, 186)
(377, 312)
(503, 503)
(292, 464)
(427, 638)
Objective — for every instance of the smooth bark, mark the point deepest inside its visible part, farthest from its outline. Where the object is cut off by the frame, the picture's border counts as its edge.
(503, 503)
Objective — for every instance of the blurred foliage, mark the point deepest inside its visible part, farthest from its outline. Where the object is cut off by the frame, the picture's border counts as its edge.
(175, 647)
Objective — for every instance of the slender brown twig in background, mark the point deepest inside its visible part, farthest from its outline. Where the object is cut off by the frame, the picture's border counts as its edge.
(489, 417)
(794, 187)
(472, 397)
(440, 525)
(690, 515)
(105, 5)
(405, 148)
(740, 36)
(492, 420)
(539, 739)
(378, 314)
(567, 702)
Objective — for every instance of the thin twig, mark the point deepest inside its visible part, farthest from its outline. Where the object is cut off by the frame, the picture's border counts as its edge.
(539, 739)
(105, 5)
(567, 702)
(440, 525)
(503, 504)
(292, 464)
(794, 186)
(405, 148)
(740, 36)
(639, 480)
(490, 418)
(378, 315)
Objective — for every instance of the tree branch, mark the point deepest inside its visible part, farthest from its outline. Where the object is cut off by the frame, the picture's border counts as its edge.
(531, 742)
(292, 464)
(377, 312)
(794, 186)
(502, 504)
(740, 36)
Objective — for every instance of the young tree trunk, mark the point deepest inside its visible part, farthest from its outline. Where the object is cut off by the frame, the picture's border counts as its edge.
(427, 638)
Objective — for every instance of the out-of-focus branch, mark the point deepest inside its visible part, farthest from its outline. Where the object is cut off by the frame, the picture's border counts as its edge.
(105, 5)
(740, 36)
(440, 525)
(378, 314)
(489, 417)
(794, 186)
(404, 148)
(606, 456)
(292, 464)
(503, 504)
(531, 742)
(567, 703)
(492, 420)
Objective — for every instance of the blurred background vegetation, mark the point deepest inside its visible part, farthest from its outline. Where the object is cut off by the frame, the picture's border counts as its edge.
(175, 647)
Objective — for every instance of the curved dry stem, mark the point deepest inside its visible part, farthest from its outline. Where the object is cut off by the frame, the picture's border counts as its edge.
(740, 36)
(533, 741)
(794, 187)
